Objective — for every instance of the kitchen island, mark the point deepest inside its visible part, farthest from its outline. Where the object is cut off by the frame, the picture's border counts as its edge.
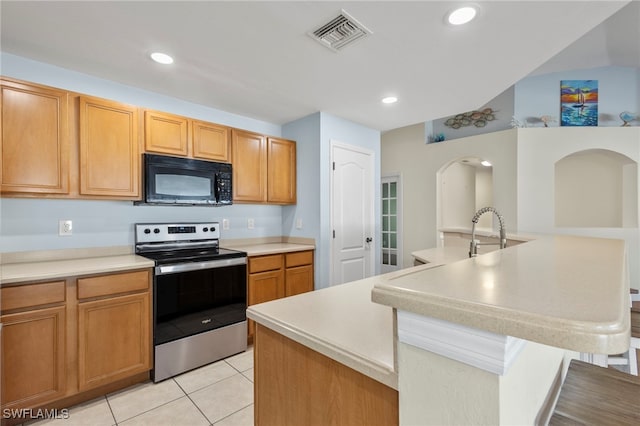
(534, 301)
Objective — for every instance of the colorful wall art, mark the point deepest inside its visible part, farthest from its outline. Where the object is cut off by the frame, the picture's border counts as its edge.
(579, 102)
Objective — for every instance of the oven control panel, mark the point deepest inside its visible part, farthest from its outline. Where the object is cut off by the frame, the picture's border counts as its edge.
(166, 232)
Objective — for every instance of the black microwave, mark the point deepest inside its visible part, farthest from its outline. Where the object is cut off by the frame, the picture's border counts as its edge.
(186, 181)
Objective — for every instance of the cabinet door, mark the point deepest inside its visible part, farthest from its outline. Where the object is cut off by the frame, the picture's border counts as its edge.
(166, 133)
(298, 280)
(113, 339)
(281, 166)
(210, 141)
(263, 287)
(249, 159)
(109, 151)
(35, 140)
(33, 357)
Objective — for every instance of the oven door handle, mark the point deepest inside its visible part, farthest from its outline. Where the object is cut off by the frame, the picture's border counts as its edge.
(196, 266)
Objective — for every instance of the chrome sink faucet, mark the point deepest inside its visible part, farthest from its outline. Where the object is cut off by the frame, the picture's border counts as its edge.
(473, 247)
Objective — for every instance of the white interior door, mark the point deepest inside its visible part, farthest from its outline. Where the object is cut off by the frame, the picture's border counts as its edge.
(352, 213)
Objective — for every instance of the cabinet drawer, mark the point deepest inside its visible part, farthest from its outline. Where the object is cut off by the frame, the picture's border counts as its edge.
(265, 263)
(299, 258)
(24, 296)
(113, 284)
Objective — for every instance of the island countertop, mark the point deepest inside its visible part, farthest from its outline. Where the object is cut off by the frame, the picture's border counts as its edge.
(339, 322)
(564, 291)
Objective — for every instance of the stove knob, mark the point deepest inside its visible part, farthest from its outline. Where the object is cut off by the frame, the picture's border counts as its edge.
(156, 231)
(213, 229)
(205, 229)
(147, 231)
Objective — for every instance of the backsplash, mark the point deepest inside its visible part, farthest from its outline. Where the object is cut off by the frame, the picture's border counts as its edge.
(32, 224)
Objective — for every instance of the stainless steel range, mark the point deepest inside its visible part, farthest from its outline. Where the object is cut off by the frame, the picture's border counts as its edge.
(199, 295)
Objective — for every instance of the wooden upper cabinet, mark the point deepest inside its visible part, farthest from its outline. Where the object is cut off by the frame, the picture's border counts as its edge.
(249, 160)
(210, 141)
(35, 139)
(180, 136)
(281, 166)
(109, 149)
(166, 133)
(264, 169)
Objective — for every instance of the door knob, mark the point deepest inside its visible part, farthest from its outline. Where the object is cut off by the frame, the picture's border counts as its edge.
(369, 239)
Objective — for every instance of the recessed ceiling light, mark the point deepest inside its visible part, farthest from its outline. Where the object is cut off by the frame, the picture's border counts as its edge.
(389, 100)
(485, 163)
(462, 15)
(162, 58)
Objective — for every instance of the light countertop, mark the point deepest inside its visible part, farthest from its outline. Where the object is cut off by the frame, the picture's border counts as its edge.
(442, 255)
(339, 322)
(563, 291)
(24, 267)
(12, 273)
(488, 232)
(269, 248)
(568, 292)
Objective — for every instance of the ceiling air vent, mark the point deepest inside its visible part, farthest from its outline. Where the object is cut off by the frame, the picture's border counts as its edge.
(340, 32)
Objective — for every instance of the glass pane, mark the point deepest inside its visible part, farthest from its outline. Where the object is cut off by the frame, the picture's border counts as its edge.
(394, 259)
(393, 190)
(385, 240)
(385, 190)
(393, 206)
(393, 241)
(182, 185)
(385, 223)
(393, 224)
(385, 258)
(385, 206)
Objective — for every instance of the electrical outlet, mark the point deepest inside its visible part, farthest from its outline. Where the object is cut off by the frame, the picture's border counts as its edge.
(250, 223)
(65, 228)
(299, 224)
(225, 224)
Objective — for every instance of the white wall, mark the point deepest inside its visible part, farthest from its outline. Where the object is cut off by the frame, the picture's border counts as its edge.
(458, 194)
(539, 150)
(484, 194)
(589, 190)
(404, 151)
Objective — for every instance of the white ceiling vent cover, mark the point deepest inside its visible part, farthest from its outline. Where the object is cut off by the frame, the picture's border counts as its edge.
(340, 32)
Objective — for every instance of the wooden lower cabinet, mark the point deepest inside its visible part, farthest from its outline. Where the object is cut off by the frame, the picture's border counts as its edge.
(67, 341)
(264, 287)
(113, 339)
(33, 357)
(295, 385)
(298, 272)
(274, 276)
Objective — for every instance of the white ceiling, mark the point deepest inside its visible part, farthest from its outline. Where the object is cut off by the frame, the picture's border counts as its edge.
(256, 59)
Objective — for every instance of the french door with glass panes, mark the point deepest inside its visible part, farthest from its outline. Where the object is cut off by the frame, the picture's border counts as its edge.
(391, 224)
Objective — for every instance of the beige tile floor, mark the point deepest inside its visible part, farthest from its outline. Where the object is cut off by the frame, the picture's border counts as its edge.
(219, 394)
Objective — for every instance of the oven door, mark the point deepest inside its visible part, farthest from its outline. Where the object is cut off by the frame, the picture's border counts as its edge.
(196, 297)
